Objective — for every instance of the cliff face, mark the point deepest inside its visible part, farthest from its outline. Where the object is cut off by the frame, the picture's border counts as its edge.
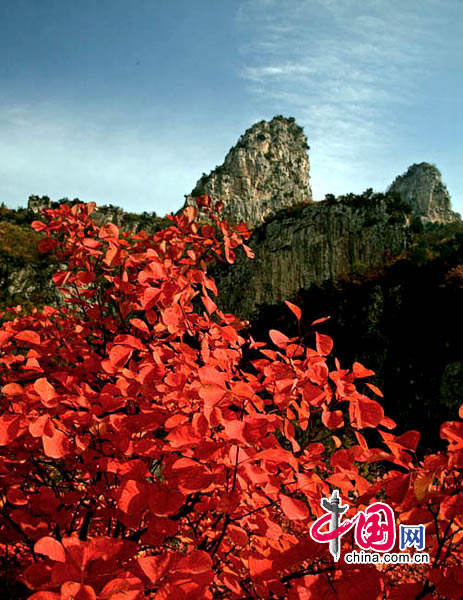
(422, 189)
(324, 241)
(267, 170)
(382, 321)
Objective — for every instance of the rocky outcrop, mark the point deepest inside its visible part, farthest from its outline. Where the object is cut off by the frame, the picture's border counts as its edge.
(102, 215)
(422, 189)
(324, 241)
(267, 170)
(28, 285)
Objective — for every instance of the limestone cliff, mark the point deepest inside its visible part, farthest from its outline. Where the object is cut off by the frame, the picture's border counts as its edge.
(267, 170)
(323, 241)
(422, 189)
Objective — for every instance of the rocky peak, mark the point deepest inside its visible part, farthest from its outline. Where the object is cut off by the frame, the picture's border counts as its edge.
(36, 203)
(422, 189)
(267, 170)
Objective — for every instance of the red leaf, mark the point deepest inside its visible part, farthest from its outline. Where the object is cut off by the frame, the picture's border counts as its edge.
(139, 324)
(294, 309)
(130, 341)
(173, 318)
(209, 304)
(259, 567)
(204, 201)
(38, 226)
(452, 431)
(164, 502)
(366, 578)
(28, 337)
(119, 355)
(421, 485)
(376, 390)
(55, 444)
(71, 590)
(190, 213)
(324, 344)
(408, 440)
(294, 509)
(360, 371)
(278, 338)
(46, 392)
(196, 563)
(322, 320)
(132, 498)
(50, 548)
(47, 245)
(149, 298)
(130, 588)
(155, 567)
(365, 412)
(91, 243)
(238, 536)
(332, 419)
(210, 375)
(12, 389)
(37, 427)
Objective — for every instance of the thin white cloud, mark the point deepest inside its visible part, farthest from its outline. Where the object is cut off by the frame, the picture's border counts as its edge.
(344, 68)
(105, 157)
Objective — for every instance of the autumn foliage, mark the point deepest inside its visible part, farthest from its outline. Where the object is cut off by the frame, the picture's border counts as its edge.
(150, 449)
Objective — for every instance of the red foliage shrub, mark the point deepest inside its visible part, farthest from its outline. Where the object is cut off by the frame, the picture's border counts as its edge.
(148, 449)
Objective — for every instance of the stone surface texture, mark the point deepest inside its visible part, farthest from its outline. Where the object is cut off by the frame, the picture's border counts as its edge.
(267, 170)
(422, 189)
(324, 241)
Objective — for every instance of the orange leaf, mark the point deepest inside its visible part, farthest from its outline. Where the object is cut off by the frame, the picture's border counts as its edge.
(209, 304)
(164, 502)
(9, 427)
(196, 563)
(139, 324)
(38, 226)
(71, 590)
(56, 444)
(294, 509)
(51, 548)
(29, 337)
(119, 355)
(278, 338)
(360, 371)
(375, 390)
(173, 318)
(294, 309)
(155, 567)
(365, 412)
(324, 344)
(422, 483)
(322, 320)
(332, 419)
(46, 392)
(12, 389)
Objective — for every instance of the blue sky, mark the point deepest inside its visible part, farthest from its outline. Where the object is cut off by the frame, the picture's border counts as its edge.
(130, 102)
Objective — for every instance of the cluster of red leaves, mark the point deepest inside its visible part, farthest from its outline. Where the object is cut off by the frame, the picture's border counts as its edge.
(144, 455)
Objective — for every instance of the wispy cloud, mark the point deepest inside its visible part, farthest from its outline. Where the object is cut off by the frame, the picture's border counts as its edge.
(107, 157)
(346, 69)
